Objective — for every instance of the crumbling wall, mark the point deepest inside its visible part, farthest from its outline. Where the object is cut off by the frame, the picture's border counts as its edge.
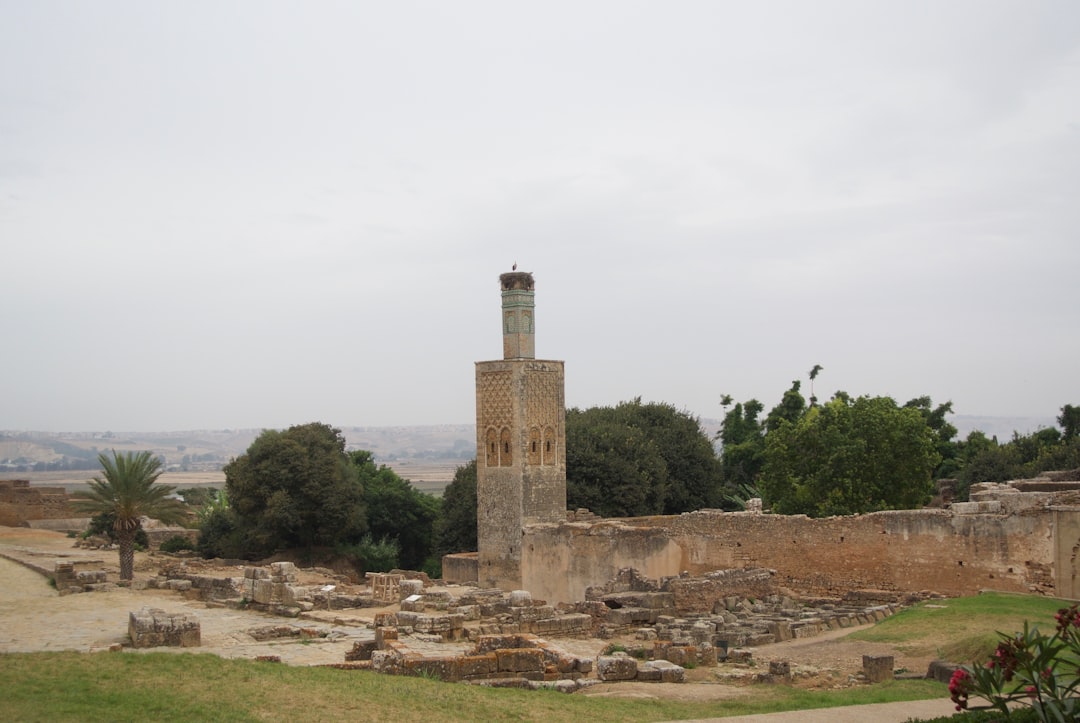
(20, 503)
(908, 550)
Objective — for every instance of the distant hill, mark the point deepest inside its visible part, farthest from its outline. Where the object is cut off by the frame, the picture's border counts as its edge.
(208, 450)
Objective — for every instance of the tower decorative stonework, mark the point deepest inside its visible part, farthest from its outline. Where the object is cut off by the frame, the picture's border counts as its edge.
(520, 440)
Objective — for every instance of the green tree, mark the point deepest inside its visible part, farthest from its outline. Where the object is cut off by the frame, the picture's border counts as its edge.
(455, 530)
(295, 489)
(1069, 419)
(944, 433)
(396, 511)
(814, 371)
(742, 439)
(639, 459)
(612, 469)
(849, 456)
(792, 406)
(128, 490)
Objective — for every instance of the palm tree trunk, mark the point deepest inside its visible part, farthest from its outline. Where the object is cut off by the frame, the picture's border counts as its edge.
(126, 540)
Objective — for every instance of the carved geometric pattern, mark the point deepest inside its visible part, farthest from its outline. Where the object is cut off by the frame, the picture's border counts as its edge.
(494, 396)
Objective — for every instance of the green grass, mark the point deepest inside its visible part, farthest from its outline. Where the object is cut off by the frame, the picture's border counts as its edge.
(168, 686)
(962, 630)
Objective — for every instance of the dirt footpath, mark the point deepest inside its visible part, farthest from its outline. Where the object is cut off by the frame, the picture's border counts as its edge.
(35, 617)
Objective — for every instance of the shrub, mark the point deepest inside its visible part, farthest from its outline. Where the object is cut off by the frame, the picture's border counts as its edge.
(102, 524)
(176, 543)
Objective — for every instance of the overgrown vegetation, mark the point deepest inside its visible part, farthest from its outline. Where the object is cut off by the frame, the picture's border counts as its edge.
(176, 543)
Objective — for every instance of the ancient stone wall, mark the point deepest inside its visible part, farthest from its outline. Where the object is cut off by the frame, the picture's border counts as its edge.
(912, 550)
(20, 503)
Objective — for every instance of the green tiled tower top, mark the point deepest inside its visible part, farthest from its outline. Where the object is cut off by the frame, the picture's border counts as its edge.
(518, 319)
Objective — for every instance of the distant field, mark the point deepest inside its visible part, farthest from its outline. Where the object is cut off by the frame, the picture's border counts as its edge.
(431, 476)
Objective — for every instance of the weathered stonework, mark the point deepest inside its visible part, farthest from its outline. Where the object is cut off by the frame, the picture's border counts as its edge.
(20, 503)
(907, 550)
(153, 627)
(520, 441)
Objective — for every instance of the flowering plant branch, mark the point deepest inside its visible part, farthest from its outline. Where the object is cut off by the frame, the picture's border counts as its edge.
(1028, 668)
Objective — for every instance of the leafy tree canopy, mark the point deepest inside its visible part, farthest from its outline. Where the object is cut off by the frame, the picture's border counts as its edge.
(455, 530)
(296, 488)
(849, 456)
(396, 511)
(639, 459)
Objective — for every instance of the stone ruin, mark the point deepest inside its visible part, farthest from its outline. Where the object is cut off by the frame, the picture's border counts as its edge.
(153, 627)
(68, 580)
(479, 635)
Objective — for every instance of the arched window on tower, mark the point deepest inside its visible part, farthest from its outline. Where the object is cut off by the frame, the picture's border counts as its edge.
(506, 451)
(534, 445)
(551, 452)
(491, 444)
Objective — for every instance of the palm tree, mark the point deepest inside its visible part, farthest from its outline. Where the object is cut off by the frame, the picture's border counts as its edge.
(813, 375)
(129, 491)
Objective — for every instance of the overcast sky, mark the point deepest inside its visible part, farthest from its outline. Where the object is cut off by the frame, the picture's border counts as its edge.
(259, 214)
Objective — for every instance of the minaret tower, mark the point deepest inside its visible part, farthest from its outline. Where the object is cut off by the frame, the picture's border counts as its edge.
(520, 440)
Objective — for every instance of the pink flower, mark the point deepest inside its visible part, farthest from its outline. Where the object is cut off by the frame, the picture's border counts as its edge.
(959, 687)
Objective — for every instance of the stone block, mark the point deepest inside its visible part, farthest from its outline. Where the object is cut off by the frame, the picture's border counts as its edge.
(660, 671)
(382, 635)
(941, 671)
(616, 667)
(286, 570)
(90, 577)
(407, 588)
(781, 630)
(520, 598)
(878, 668)
(256, 573)
(680, 655)
(520, 660)
(262, 591)
(153, 627)
(478, 666)
(780, 669)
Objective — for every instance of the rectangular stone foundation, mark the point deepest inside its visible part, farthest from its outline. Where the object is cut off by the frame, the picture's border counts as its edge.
(153, 627)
